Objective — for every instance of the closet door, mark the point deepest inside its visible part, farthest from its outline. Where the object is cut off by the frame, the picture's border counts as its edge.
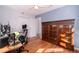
(59, 32)
(53, 35)
(65, 36)
(45, 31)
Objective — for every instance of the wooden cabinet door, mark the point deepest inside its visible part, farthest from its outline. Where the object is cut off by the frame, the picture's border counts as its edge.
(59, 32)
(65, 36)
(53, 35)
(45, 31)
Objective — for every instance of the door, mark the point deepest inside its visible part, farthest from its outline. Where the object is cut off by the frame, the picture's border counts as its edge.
(65, 36)
(45, 31)
(53, 35)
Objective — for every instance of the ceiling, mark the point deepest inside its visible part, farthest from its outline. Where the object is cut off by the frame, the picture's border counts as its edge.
(29, 9)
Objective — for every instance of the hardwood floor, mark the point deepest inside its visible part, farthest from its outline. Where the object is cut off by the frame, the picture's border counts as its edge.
(40, 46)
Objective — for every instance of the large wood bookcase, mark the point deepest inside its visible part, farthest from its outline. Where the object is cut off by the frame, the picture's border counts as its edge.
(59, 32)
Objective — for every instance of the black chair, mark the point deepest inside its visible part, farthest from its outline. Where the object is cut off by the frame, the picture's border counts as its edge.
(23, 38)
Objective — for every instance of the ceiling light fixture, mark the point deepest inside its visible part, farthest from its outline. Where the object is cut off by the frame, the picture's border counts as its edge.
(36, 7)
(41, 6)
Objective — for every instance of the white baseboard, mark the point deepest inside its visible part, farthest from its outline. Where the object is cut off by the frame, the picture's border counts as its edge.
(76, 49)
(33, 38)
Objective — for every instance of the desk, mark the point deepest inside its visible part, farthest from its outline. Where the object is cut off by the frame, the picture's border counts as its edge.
(3, 41)
(10, 48)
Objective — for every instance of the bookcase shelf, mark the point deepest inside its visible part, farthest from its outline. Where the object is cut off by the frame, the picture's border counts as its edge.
(59, 32)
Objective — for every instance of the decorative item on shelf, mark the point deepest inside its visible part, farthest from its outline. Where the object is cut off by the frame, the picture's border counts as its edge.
(68, 37)
(67, 32)
(62, 35)
(70, 26)
(63, 44)
(72, 39)
(60, 26)
(53, 25)
(64, 40)
(72, 30)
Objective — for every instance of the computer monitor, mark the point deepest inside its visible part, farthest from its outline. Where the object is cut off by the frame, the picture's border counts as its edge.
(24, 26)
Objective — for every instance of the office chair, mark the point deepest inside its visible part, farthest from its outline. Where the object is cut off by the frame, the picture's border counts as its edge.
(23, 41)
(23, 37)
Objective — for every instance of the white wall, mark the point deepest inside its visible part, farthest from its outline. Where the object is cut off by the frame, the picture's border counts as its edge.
(16, 19)
(39, 26)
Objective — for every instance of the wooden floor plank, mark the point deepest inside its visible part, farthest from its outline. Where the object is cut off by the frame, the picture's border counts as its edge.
(40, 46)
